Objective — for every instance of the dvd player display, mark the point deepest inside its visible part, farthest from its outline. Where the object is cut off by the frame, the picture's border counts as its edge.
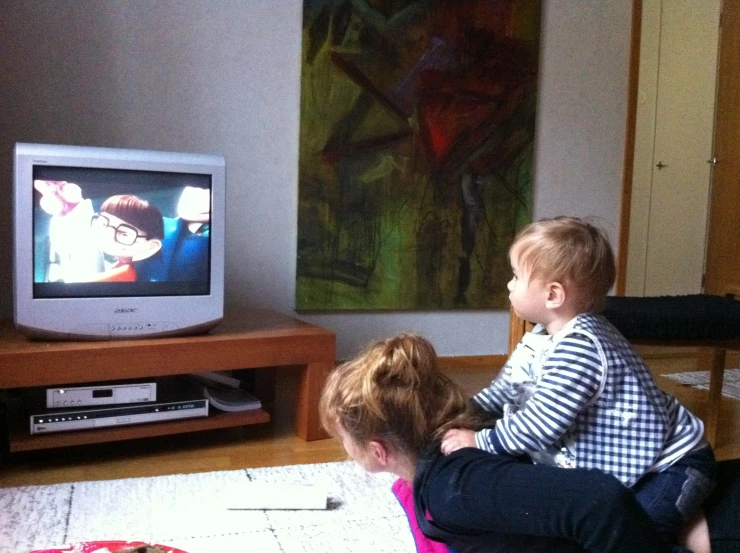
(110, 393)
(80, 419)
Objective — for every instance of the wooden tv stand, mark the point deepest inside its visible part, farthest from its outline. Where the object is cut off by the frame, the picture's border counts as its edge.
(244, 340)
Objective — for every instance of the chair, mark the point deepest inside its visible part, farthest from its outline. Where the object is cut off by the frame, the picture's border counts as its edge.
(697, 321)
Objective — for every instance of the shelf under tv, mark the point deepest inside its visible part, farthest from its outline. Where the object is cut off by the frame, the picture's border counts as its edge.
(247, 339)
(21, 440)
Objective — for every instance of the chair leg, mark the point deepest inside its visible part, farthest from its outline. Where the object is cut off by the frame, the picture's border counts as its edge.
(716, 378)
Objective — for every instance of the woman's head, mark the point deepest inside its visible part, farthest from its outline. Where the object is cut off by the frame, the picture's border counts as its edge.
(393, 393)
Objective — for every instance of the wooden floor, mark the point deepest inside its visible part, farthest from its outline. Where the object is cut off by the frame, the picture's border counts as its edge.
(275, 444)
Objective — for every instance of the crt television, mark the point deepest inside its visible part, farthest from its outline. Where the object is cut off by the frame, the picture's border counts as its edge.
(116, 243)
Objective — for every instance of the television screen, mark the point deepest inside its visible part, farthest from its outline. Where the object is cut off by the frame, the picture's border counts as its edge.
(112, 232)
(115, 243)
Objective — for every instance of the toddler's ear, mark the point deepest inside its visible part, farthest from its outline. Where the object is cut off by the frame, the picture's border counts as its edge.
(555, 295)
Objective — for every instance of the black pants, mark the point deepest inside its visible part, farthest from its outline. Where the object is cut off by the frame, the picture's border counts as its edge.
(723, 509)
(485, 503)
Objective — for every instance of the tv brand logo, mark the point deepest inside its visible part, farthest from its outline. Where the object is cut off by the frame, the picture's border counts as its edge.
(125, 310)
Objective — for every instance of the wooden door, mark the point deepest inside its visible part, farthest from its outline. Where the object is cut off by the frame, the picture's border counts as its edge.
(673, 143)
(723, 245)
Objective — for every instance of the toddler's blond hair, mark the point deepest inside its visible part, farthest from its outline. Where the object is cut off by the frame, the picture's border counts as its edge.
(571, 251)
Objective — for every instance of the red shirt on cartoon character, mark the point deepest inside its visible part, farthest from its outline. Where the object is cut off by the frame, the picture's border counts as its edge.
(129, 230)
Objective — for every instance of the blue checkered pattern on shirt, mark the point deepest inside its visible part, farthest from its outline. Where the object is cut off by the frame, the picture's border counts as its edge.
(595, 396)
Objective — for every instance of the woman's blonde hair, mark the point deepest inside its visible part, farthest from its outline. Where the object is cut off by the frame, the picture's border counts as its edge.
(571, 251)
(394, 392)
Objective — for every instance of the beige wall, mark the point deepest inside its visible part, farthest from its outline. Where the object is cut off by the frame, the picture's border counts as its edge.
(223, 77)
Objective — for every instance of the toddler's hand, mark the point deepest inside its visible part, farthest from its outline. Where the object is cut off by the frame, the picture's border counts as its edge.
(457, 438)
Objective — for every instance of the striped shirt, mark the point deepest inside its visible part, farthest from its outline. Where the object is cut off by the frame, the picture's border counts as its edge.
(584, 398)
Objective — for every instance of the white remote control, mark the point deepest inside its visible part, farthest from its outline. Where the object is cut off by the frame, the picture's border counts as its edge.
(260, 495)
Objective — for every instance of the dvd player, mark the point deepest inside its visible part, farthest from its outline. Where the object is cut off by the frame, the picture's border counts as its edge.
(80, 419)
(96, 395)
(177, 398)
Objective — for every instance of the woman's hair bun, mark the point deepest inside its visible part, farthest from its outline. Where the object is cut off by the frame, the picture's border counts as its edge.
(404, 360)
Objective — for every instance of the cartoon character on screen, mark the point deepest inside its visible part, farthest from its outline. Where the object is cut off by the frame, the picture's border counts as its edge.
(129, 230)
(185, 248)
(194, 209)
(73, 255)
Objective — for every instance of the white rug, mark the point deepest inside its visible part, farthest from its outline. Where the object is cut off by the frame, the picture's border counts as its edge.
(700, 379)
(190, 512)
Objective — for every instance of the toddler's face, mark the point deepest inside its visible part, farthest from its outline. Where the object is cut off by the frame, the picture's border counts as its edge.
(527, 296)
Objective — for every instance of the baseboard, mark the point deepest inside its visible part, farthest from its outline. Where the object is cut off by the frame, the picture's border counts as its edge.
(466, 362)
(472, 362)
(667, 352)
(475, 362)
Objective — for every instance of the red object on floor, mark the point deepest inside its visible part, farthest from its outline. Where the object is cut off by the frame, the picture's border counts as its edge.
(115, 545)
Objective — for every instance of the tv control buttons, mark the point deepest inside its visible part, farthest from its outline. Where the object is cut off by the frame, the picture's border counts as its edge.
(141, 328)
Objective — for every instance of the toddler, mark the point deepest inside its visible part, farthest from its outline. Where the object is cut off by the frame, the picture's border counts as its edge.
(575, 393)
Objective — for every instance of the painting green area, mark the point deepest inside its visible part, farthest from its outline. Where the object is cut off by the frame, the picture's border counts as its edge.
(416, 151)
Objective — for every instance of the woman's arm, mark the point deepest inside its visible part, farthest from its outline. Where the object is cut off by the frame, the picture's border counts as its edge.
(471, 492)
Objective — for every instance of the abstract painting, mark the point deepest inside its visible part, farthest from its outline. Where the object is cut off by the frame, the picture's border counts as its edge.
(416, 151)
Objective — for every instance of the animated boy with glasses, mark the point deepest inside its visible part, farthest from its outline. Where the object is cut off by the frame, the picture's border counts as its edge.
(128, 229)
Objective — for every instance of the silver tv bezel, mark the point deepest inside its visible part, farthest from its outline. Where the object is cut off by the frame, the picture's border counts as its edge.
(103, 318)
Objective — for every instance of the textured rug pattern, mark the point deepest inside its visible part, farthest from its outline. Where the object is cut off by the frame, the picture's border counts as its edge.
(700, 379)
(190, 512)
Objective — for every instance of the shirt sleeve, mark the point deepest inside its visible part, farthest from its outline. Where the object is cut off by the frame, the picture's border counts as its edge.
(503, 388)
(571, 378)
(493, 398)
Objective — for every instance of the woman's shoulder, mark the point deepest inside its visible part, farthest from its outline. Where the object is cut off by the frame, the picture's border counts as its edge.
(439, 474)
(440, 483)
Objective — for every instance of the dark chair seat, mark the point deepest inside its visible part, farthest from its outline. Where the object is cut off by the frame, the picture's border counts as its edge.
(680, 318)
